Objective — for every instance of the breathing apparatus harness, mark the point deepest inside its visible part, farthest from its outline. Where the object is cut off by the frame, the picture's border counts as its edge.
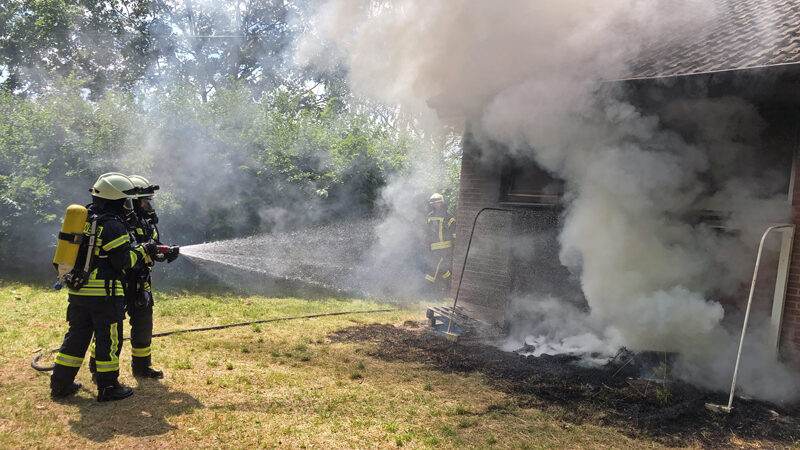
(139, 276)
(86, 262)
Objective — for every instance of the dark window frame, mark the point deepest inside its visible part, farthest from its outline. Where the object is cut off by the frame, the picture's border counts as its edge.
(525, 183)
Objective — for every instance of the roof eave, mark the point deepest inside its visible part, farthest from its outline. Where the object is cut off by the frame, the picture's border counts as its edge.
(709, 72)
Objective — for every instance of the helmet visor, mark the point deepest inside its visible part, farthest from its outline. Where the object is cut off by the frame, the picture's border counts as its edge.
(132, 192)
(148, 191)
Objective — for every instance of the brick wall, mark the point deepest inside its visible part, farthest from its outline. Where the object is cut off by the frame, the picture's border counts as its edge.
(513, 254)
(489, 279)
(486, 283)
(790, 331)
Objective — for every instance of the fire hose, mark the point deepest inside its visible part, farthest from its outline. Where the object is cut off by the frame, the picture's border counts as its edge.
(35, 360)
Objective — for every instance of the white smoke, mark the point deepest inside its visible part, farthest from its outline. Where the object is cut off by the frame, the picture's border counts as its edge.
(530, 75)
(557, 327)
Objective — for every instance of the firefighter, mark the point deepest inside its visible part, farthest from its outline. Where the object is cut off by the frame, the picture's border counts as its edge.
(138, 294)
(97, 307)
(139, 300)
(439, 236)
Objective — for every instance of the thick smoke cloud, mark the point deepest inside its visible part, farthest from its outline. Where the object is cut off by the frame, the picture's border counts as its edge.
(533, 76)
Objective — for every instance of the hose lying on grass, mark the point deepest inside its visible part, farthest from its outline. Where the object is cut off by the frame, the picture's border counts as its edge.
(35, 360)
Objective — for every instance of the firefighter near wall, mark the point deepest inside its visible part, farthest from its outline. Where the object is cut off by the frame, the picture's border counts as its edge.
(439, 236)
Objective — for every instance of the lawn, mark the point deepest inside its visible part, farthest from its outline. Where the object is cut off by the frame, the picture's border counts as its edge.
(278, 384)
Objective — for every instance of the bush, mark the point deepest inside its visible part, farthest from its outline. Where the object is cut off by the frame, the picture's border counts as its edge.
(233, 166)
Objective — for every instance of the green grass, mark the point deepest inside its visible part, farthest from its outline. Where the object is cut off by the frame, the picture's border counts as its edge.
(281, 384)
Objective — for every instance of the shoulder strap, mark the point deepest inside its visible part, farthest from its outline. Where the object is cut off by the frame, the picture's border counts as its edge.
(90, 247)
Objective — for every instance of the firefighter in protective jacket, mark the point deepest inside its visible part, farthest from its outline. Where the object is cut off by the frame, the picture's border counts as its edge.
(139, 301)
(96, 308)
(138, 294)
(439, 237)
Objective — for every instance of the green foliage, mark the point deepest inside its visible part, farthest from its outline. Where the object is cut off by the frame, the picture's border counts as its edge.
(467, 422)
(662, 391)
(461, 409)
(182, 365)
(239, 143)
(117, 45)
(220, 164)
(49, 150)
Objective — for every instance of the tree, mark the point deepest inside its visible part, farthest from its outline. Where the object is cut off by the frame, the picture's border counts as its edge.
(103, 43)
(125, 44)
(197, 97)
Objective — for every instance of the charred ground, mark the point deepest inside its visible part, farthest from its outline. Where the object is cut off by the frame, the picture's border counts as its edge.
(672, 413)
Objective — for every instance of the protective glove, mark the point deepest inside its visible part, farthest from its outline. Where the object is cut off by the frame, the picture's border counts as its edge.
(148, 250)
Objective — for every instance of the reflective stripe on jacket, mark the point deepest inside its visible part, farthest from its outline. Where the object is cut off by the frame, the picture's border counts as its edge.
(113, 254)
(441, 230)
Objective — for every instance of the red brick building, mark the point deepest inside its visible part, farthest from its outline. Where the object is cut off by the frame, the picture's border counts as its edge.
(752, 52)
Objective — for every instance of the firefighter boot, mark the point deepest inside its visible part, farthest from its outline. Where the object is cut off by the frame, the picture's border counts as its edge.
(147, 372)
(113, 392)
(142, 368)
(63, 388)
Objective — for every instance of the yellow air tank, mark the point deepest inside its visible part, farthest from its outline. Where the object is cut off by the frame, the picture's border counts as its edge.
(69, 240)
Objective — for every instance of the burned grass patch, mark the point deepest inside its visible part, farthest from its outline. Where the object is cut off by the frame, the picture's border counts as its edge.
(671, 413)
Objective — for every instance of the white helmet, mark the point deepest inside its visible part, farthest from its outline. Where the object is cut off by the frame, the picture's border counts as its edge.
(145, 188)
(113, 186)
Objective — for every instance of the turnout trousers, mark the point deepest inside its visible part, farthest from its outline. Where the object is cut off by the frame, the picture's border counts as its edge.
(438, 273)
(101, 318)
(141, 321)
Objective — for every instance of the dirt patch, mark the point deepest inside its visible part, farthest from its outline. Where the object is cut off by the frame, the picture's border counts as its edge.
(671, 413)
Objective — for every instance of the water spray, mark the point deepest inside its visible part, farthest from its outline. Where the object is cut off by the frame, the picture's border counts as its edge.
(338, 256)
